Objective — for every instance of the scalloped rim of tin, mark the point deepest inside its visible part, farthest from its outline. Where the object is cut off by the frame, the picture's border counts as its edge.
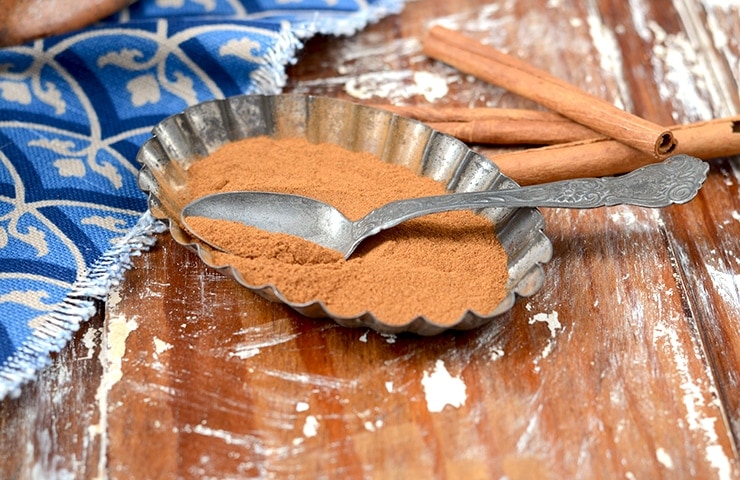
(321, 119)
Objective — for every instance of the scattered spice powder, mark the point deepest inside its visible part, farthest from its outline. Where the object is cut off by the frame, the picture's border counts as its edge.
(437, 266)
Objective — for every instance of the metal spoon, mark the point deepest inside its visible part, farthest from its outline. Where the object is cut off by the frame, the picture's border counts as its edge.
(675, 180)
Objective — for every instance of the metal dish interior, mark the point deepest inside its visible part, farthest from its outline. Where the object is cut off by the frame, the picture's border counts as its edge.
(183, 139)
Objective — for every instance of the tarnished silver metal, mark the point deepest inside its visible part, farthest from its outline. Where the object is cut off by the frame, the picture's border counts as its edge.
(674, 181)
(181, 140)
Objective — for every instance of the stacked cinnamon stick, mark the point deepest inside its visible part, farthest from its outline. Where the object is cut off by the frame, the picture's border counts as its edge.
(586, 136)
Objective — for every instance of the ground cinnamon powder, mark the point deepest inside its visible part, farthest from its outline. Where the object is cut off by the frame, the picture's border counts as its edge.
(438, 266)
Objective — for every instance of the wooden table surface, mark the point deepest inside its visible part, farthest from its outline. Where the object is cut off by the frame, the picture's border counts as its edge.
(624, 365)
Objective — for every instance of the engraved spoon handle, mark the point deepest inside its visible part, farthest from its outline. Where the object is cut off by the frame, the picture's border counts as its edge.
(673, 181)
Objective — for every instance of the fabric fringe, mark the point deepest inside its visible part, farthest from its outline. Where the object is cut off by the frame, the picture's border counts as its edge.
(342, 24)
(271, 77)
(55, 329)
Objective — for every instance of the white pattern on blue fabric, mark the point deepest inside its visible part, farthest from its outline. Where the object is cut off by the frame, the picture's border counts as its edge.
(74, 110)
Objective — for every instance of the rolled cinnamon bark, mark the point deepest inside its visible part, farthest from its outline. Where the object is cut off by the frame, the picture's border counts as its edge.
(523, 79)
(431, 114)
(603, 157)
(499, 126)
(502, 132)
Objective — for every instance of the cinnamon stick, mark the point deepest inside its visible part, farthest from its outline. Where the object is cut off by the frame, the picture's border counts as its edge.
(503, 132)
(604, 157)
(431, 114)
(523, 79)
(499, 126)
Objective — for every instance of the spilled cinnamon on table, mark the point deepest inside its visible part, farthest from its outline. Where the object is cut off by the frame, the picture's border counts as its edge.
(438, 266)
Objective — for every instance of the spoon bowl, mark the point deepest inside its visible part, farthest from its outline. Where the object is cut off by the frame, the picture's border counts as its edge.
(296, 215)
(674, 181)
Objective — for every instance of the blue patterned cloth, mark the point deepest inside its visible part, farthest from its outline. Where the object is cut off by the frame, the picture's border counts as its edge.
(74, 110)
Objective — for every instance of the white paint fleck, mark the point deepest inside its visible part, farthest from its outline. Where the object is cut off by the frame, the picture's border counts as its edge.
(311, 427)
(496, 353)
(301, 407)
(389, 337)
(664, 457)
(442, 389)
(118, 331)
(553, 325)
(380, 84)
(551, 319)
(397, 85)
(718, 459)
(89, 340)
(433, 86)
(389, 387)
(373, 426)
(111, 359)
(160, 346)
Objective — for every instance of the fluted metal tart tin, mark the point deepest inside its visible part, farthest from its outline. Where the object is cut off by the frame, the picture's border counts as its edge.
(183, 139)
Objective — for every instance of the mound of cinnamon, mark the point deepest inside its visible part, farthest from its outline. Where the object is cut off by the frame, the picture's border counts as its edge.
(438, 266)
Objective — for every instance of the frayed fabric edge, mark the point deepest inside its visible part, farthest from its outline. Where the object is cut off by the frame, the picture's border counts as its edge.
(55, 329)
(306, 25)
(271, 77)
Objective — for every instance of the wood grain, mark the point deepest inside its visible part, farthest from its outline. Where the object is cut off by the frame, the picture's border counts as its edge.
(622, 366)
